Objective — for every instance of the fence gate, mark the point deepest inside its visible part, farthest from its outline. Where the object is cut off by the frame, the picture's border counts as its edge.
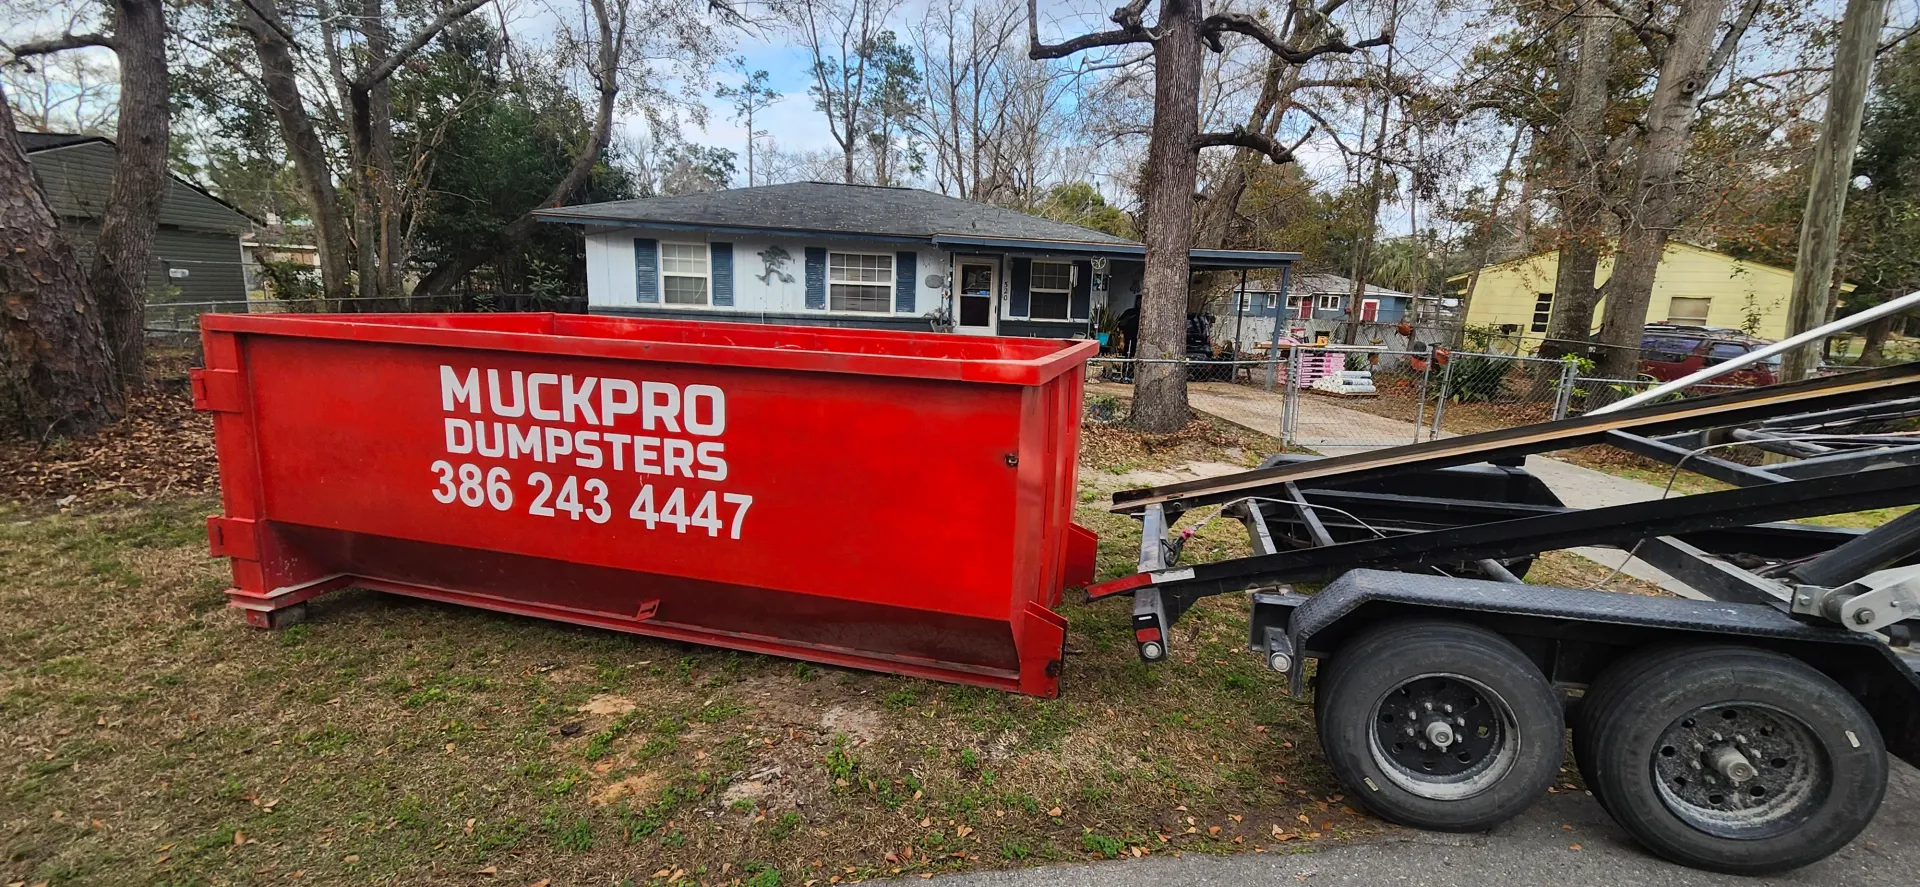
(1344, 396)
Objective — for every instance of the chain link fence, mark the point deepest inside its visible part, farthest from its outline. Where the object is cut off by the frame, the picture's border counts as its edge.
(169, 320)
(1341, 397)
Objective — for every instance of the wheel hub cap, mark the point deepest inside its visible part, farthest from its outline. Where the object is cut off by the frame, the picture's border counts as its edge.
(1738, 770)
(1443, 736)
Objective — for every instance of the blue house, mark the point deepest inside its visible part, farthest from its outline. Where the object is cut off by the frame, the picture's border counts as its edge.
(1305, 307)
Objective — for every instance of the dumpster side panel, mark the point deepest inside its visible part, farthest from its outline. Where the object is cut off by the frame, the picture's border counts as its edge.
(826, 485)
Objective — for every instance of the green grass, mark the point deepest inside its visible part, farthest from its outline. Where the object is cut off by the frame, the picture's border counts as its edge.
(417, 738)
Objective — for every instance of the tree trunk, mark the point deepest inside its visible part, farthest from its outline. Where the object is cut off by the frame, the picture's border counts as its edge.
(281, 82)
(1582, 208)
(1813, 276)
(131, 218)
(1160, 389)
(1656, 210)
(383, 188)
(1873, 351)
(56, 365)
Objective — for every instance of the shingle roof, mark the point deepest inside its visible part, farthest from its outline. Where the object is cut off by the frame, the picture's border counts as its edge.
(834, 208)
(41, 141)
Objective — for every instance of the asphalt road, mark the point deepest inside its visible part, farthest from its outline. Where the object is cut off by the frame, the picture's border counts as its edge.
(1534, 849)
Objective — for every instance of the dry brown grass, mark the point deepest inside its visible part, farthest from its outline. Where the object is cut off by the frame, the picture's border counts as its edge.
(161, 448)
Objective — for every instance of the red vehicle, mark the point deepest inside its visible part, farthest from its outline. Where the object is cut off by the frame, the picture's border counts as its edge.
(1670, 352)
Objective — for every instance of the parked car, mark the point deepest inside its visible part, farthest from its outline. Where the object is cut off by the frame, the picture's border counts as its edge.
(1668, 352)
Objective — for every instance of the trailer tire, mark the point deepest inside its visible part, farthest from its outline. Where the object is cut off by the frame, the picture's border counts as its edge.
(1658, 747)
(1632, 670)
(1401, 676)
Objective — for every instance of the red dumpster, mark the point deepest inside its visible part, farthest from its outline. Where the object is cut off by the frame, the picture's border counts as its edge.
(893, 501)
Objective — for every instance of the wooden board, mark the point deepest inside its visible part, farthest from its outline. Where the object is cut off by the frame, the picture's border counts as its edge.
(1883, 383)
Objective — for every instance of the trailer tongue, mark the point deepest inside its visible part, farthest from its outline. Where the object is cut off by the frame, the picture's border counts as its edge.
(1744, 732)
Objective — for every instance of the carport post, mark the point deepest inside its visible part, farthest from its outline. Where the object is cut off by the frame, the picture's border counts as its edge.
(1279, 308)
(1239, 317)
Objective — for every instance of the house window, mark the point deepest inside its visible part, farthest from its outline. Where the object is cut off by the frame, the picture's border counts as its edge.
(1300, 306)
(860, 282)
(1048, 288)
(1688, 311)
(1329, 303)
(1369, 310)
(683, 273)
(1542, 312)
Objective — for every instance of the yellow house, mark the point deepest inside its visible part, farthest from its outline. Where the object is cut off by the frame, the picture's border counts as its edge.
(1693, 286)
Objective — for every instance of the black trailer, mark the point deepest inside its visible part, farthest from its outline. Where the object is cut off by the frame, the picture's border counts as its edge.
(1745, 732)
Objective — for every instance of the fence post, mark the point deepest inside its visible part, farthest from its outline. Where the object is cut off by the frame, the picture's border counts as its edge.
(1569, 375)
(1440, 403)
(1290, 396)
(1420, 416)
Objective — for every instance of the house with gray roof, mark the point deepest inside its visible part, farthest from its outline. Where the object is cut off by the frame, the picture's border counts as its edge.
(826, 254)
(197, 261)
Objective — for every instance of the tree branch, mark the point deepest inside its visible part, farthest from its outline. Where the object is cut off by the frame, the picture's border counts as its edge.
(1241, 23)
(1731, 41)
(1644, 29)
(417, 42)
(1241, 137)
(1128, 17)
(51, 45)
(1898, 39)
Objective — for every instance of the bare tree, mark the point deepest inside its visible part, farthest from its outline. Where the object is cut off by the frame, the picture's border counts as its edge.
(841, 37)
(123, 248)
(753, 95)
(68, 92)
(56, 365)
(996, 121)
(1177, 39)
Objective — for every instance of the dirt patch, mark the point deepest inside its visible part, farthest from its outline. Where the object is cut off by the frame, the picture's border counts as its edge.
(162, 448)
(1115, 447)
(1149, 477)
(607, 704)
(862, 725)
(634, 790)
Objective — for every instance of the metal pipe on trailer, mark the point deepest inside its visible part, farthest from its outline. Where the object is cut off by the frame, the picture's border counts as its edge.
(1895, 306)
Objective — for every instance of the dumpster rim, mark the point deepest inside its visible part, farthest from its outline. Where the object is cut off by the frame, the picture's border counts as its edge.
(340, 327)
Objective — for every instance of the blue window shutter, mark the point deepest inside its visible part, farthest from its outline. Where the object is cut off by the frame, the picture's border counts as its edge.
(722, 254)
(817, 277)
(1020, 272)
(905, 275)
(646, 270)
(1080, 304)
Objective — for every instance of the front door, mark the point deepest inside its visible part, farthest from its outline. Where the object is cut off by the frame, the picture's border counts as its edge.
(973, 296)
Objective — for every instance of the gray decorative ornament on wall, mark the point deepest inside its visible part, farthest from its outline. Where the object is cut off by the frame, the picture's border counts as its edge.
(775, 258)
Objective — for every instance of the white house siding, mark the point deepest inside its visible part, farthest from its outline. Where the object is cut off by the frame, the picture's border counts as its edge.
(779, 295)
(776, 295)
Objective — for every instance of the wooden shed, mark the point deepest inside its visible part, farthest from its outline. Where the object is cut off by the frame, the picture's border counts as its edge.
(198, 263)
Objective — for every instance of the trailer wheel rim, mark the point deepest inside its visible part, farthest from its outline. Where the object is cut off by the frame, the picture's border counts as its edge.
(1485, 736)
(1697, 765)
